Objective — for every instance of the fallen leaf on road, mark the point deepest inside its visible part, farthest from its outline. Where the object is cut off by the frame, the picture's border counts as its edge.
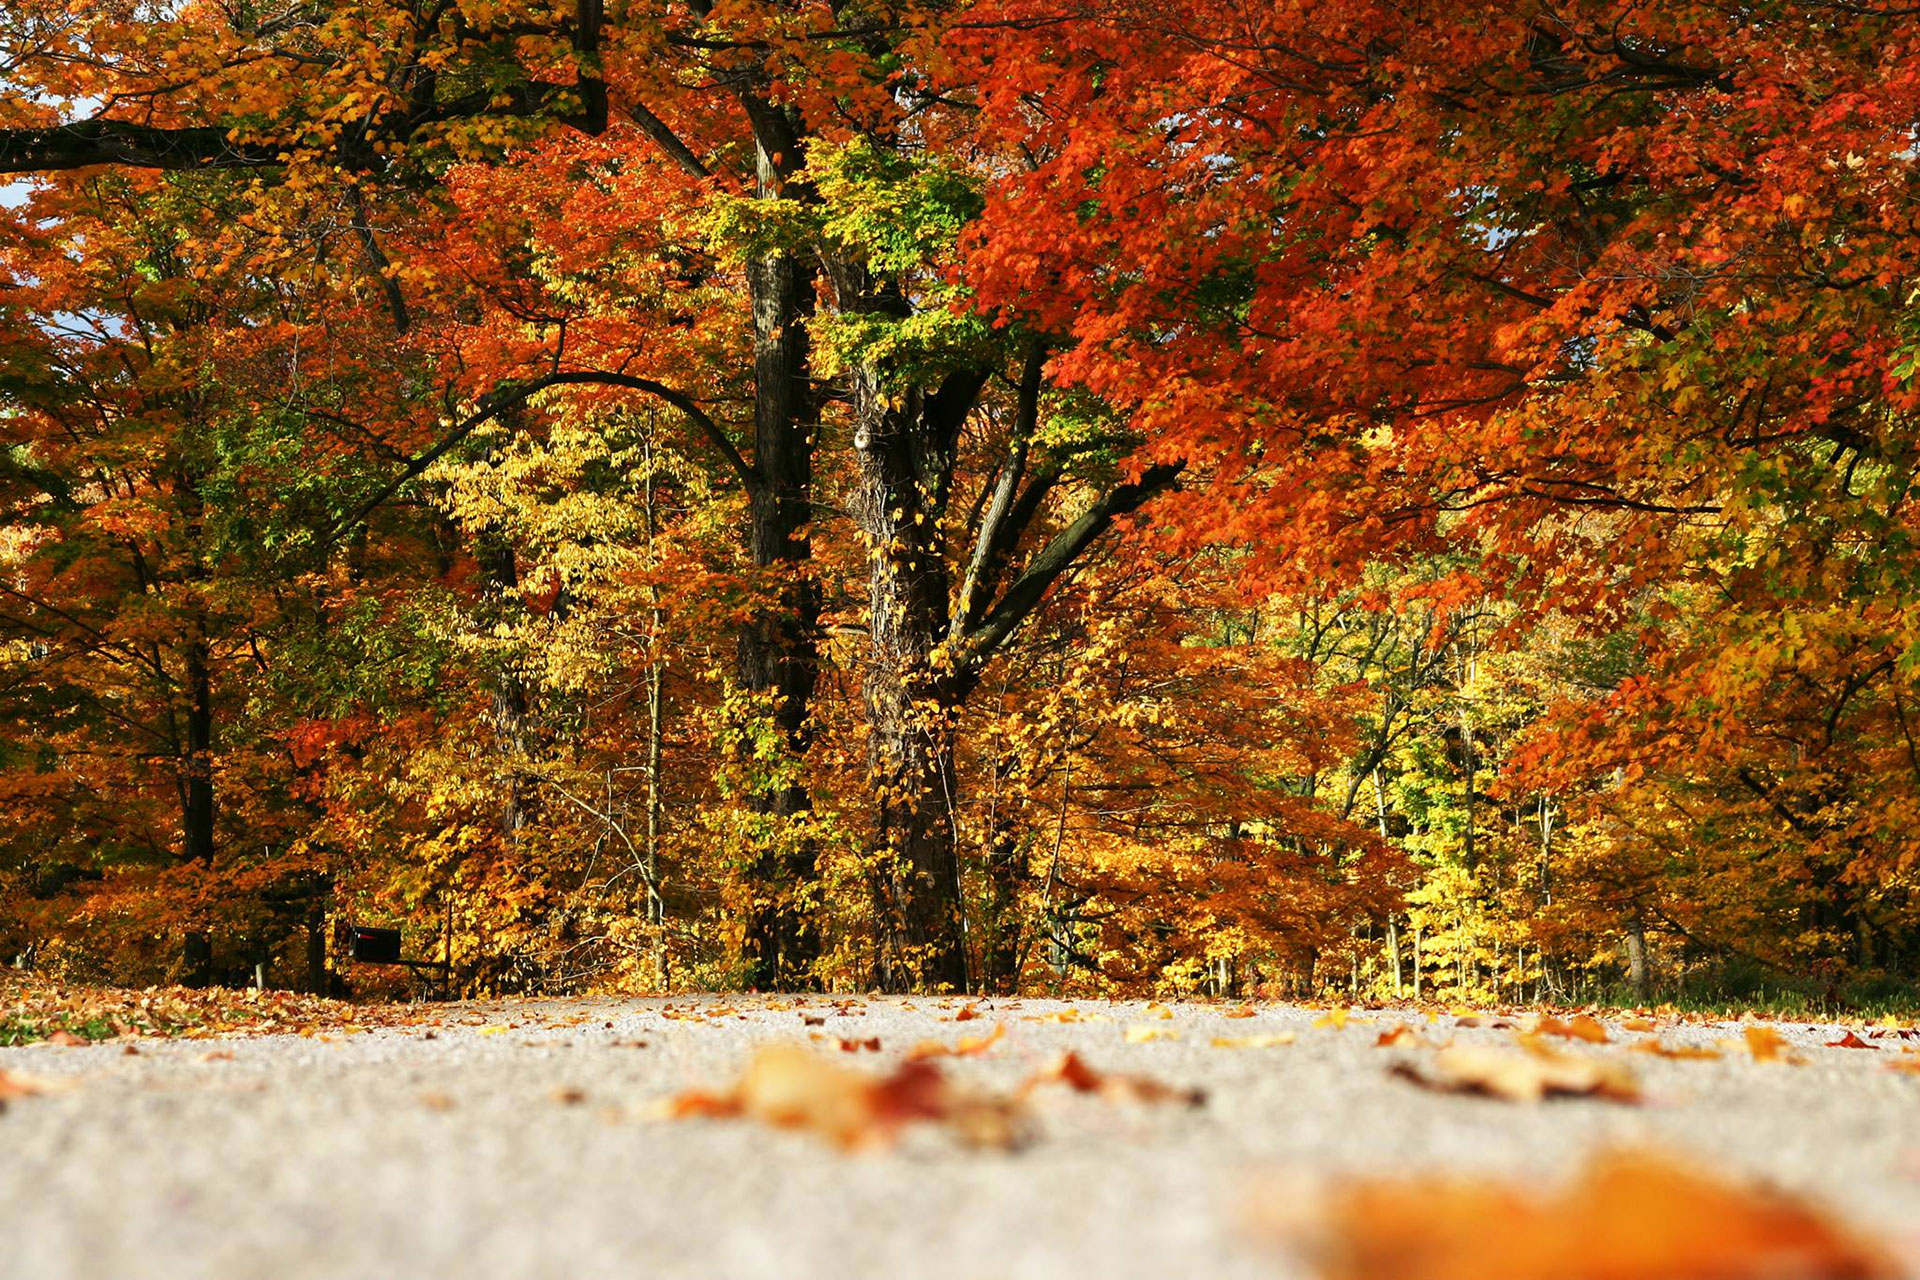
(1849, 1041)
(1244, 1011)
(1273, 1041)
(1141, 1033)
(67, 1040)
(1679, 1051)
(1763, 1044)
(969, 1046)
(1579, 1027)
(1522, 1077)
(1072, 1070)
(19, 1086)
(871, 1044)
(1638, 1024)
(1627, 1217)
(1401, 1034)
(790, 1087)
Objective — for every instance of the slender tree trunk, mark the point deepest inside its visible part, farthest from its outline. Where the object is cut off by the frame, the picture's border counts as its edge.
(656, 710)
(1007, 870)
(1393, 928)
(1416, 962)
(197, 797)
(1638, 975)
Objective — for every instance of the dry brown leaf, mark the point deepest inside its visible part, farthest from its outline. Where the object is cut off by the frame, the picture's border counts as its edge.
(968, 1014)
(871, 1044)
(67, 1040)
(1627, 1217)
(1523, 1077)
(790, 1087)
(1398, 1034)
(1072, 1070)
(1849, 1041)
(1244, 1011)
(1678, 1051)
(1639, 1024)
(1273, 1041)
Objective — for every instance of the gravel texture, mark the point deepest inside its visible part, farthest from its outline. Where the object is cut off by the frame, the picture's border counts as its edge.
(520, 1140)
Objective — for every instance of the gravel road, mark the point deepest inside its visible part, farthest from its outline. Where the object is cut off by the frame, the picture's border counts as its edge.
(521, 1140)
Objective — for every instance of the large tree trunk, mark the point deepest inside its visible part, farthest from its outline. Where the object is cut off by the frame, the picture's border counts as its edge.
(900, 495)
(776, 659)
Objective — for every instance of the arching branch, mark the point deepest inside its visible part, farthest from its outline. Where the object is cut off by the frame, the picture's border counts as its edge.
(500, 401)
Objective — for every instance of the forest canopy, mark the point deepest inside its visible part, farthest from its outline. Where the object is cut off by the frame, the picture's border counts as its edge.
(1068, 495)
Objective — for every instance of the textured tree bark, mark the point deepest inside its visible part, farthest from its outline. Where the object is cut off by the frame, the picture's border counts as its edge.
(777, 657)
(905, 465)
(1638, 975)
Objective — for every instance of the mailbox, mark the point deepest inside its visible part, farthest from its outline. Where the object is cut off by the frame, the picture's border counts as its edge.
(375, 946)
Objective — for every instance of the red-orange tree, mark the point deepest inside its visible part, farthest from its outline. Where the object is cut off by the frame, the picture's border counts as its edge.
(1614, 302)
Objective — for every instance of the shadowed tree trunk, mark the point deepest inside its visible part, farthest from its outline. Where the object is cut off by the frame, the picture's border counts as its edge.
(905, 449)
(777, 658)
(197, 796)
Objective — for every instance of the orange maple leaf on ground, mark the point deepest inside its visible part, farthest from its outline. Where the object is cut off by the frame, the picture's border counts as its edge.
(1765, 1044)
(1627, 1217)
(1661, 1049)
(19, 1086)
(790, 1087)
(1072, 1070)
(1579, 1027)
(1539, 1073)
(968, 1047)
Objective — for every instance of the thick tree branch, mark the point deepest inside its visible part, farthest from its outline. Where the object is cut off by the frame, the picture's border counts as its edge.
(667, 140)
(90, 142)
(1030, 588)
(1012, 472)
